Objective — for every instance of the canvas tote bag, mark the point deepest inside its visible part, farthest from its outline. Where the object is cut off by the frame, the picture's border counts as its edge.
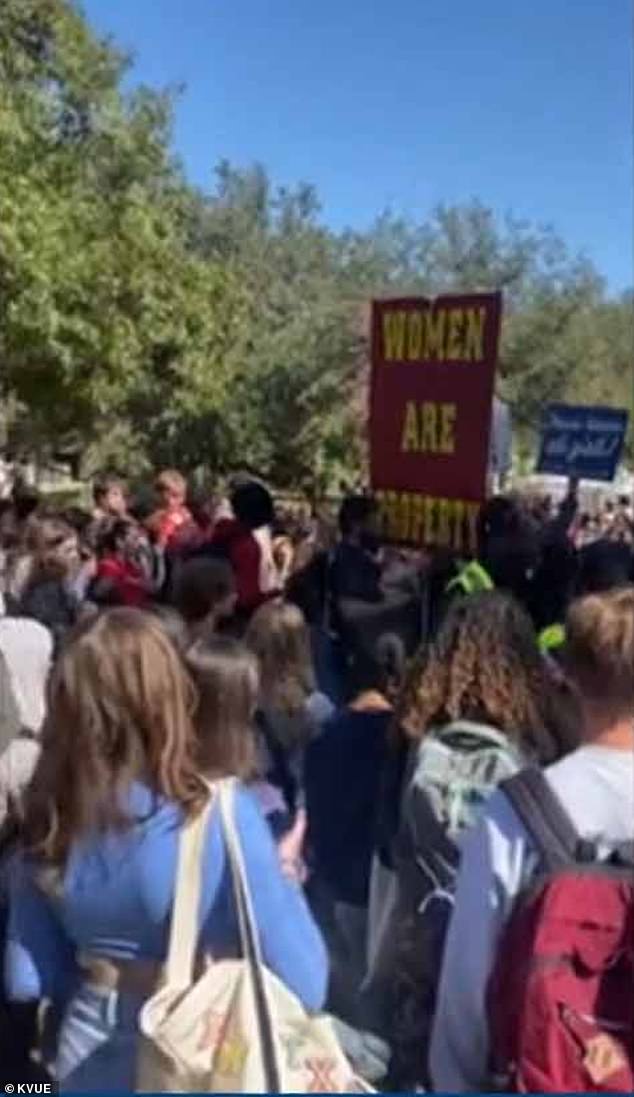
(235, 1028)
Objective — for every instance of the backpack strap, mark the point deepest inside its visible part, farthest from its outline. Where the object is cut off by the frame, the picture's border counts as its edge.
(545, 819)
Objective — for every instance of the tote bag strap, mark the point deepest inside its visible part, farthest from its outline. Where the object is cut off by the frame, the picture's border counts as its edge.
(183, 939)
(249, 935)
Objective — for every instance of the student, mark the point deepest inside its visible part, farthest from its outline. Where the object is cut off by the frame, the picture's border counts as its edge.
(90, 899)
(477, 706)
(172, 514)
(226, 676)
(109, 498)
(355, 571)
(343, 774)
(595, 787)
(290, 710)
(119, 580)
(204, 595)
(245, 541)
(49, 596)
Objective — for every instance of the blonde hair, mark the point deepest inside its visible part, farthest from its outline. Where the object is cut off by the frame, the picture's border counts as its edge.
(600, 649)
(279, 637)
(171, 480)
(120, 707)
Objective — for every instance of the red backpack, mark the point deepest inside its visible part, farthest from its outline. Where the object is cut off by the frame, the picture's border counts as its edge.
(561, 997)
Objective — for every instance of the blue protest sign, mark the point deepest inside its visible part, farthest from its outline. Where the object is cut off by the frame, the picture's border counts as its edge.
(586, 443)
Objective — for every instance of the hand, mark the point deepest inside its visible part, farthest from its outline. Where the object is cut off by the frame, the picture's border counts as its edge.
(289, 849)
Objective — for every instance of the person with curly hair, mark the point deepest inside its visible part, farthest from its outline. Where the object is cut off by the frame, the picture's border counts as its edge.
(593, 788)
(476, 707)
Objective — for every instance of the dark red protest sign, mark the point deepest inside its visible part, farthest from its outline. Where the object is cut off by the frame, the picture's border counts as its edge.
(431, 395)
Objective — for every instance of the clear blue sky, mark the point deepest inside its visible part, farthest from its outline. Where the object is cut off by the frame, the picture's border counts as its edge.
(406, 103)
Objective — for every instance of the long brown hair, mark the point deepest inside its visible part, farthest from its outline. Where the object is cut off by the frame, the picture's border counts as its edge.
(120, 707)
(485, 665)
(226, 676)
(278, 636)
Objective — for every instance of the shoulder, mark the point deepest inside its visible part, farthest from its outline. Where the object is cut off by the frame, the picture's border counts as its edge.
(596, 787)
(319, 707)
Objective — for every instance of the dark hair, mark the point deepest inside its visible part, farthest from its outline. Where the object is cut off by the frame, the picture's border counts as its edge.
(79, 519)
(499, 517)
(201, 584)
(382, 668)
(102, 485)
(553, 583)
(113, 533)
(604, 565)
(355, 511)
(253, 505)
(485, 665)
(25, 502)
(226, 675)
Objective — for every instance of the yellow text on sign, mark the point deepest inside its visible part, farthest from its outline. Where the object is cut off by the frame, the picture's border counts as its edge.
(411, 518)
(428, 428)
(439, 335)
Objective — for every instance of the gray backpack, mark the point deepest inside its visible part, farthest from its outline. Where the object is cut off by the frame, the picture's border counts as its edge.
(451, 774)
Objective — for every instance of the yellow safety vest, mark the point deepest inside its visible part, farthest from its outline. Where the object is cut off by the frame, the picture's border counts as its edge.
(551, 638)
(472, 579)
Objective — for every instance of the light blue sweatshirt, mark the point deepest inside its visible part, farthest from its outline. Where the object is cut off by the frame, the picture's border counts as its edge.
(117, 897)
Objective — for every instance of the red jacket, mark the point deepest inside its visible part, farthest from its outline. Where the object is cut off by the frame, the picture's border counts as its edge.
(127, 580)
(244, 555)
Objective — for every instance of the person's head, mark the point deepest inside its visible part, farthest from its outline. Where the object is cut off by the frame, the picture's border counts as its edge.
(600, 653)
(55, 549)
(500, 517)
(205, 591)
(358, 519)
(484, 666)
(253, 505)
(109, 496)
(120, 707)
(278, 637)
(171, 489)
(553, 582)
(381, 669)
(82, 522)
(118, 539)
(604, 565)
(226, 676)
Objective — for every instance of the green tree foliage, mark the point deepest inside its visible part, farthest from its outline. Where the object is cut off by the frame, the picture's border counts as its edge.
(143, 322)
(108, 321)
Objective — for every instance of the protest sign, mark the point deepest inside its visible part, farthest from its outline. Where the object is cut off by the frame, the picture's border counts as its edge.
(582, 442)
(431, 393)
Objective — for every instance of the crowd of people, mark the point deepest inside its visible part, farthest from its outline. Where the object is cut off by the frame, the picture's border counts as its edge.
(434, 779)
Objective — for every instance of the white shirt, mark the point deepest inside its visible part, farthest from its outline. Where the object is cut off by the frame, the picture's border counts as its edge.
(596, 787)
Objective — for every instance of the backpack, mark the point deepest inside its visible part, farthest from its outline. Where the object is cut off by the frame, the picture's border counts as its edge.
(561, 996)
(451, 776)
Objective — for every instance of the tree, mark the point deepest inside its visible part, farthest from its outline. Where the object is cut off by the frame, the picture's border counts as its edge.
(297, 356)
(107, 319)
(144, 322)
